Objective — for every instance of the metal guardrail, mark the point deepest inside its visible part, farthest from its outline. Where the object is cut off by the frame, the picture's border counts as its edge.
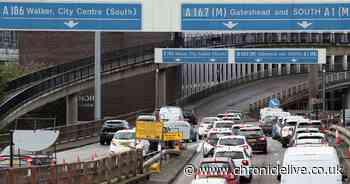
(111, 63)
(109, 169)
(235, 82)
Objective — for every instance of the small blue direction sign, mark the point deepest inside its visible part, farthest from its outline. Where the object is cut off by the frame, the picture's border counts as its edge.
(274, 103)
(265, 17)
(277, 56)
(192, 56)
(70, 16)
(241, 56)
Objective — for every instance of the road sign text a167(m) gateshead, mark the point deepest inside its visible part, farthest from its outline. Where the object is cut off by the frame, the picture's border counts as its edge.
(176, 15)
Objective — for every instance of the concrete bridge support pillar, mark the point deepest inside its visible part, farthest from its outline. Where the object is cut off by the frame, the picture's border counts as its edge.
(345, 62)
(238, 70)
(288, 68)
(298, 68)
(332, 100)
(255, 68)
(262, 69)
(71, 109)
(160, 88)
(270, 69)
(243, 70)
(331, 62)
(279, 69)
(249, 69)
(234, 73)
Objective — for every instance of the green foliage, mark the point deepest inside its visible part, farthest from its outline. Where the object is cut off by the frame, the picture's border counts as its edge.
(9, 72)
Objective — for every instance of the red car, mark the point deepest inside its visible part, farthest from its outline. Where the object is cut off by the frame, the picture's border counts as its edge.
(218, 167)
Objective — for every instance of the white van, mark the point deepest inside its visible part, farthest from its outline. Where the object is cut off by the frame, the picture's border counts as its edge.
(314, 159)
(171, 113)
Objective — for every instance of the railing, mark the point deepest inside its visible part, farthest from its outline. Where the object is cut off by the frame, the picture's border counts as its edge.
(113, 168)
(199, 94)
(65, 67)
(284, 95)
(112, 62)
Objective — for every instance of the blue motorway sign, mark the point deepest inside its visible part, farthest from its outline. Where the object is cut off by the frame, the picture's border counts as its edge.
(266, 17)
(192, 56)
(274, 103)
(277, 56)
(241, 56)
(70, 16)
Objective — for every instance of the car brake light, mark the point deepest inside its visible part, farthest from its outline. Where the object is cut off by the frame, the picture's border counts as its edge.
(245, 162)
(28, 159)
(2, 158)
(262, 138)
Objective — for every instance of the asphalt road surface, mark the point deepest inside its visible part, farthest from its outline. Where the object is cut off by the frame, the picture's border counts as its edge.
(239, 97)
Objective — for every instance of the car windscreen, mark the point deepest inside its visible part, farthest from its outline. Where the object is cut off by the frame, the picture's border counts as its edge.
(291, 123)
(223, 125)
(231, 141)
(310, 137)
(115, 123)
(251, 132)
(214, 137)
(124, 135)
(230, 154)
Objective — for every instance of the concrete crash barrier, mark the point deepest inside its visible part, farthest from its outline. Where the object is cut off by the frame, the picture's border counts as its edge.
(110, 169)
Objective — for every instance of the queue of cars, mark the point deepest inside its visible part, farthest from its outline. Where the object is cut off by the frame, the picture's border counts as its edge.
(120, 135)
(307, 148)
(229, 142)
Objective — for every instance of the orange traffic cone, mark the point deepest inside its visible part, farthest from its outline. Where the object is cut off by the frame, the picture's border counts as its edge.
(337, 138)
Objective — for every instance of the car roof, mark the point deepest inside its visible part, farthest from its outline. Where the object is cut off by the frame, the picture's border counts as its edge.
(229, 148)
(220, 130)
(232, 136)
(224, 121)
(310, 134)
(216, 159)
(251, 128)
(115, 120)
(126, 130)
(304, 129)
(324, 150)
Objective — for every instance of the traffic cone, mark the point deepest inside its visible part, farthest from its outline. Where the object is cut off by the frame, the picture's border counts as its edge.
(337, 138)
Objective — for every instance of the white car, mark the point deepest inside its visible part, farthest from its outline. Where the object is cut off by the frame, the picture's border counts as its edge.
(125, 139)
(223, 124)
(288, 128)
(235, 141)
(213, 137)
(240, 157)
(205, 125)
(302, 130)
(310, 138)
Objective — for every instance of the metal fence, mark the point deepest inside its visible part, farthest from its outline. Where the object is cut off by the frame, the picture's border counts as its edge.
(123, 61)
